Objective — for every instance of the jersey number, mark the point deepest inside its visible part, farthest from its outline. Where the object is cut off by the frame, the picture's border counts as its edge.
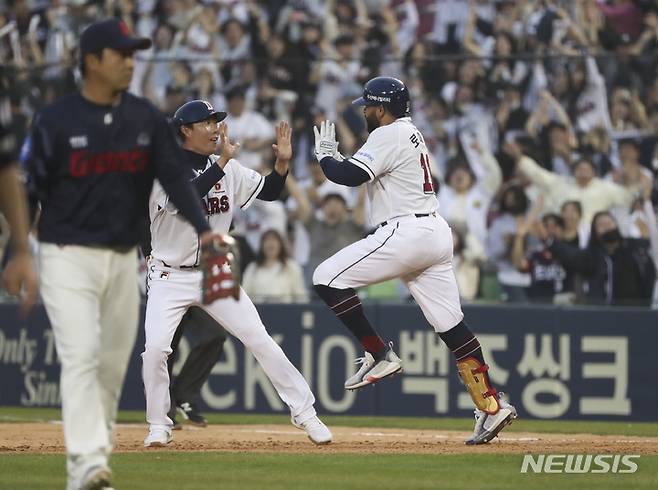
(428, 188)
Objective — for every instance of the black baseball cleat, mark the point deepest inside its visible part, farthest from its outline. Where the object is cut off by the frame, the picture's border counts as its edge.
(190, 413)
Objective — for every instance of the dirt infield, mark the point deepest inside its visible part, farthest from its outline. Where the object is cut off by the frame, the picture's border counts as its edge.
(48, 438)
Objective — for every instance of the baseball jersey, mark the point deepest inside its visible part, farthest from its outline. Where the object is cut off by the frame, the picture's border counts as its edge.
(547, 275)
(173, 240)
(92, 168)
(398, 166)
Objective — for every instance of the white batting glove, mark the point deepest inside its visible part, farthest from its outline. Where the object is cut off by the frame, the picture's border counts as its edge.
(325, 141)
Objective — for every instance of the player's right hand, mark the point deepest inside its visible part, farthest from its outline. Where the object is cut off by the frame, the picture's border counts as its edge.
(325, 141)
(20, 280)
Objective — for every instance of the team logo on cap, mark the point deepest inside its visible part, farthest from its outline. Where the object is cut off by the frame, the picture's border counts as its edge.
(208, 105)
(378, 98)
(124, 28)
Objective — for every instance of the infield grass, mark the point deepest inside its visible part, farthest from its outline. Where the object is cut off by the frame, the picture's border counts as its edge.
(245, 471)
(648, 429)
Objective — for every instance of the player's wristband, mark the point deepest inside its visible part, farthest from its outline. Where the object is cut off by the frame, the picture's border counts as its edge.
(272, 187)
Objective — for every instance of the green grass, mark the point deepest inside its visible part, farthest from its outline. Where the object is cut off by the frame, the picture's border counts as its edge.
(13, 414)
(172, 470)
(200, 471)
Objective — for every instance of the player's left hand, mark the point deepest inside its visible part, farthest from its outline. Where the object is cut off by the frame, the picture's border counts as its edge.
(325, 140)
(283, 147)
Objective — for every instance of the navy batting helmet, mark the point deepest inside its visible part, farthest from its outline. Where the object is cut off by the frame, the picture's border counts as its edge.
(195, 111)
(388, 92)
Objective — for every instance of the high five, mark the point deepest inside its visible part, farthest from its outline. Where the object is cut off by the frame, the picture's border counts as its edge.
(175, 280)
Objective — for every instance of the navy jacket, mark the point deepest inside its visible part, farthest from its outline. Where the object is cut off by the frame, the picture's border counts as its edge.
(92, 168)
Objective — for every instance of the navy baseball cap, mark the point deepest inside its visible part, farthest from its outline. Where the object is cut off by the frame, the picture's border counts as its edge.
(195, 111)
(388, 92)
(113, 34)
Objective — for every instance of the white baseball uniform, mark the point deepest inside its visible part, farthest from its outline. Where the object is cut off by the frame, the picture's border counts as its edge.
(412, 242)
(174, 284)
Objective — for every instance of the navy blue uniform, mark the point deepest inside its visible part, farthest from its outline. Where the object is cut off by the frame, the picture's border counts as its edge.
(92, 168)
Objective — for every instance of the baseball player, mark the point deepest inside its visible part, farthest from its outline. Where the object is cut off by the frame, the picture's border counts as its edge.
(185, 390)
(174, 278)
(412, 242)
(93, 161)
(208, 342)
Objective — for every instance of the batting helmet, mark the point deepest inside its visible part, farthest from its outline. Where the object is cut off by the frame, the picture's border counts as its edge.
(195, 111)
(388, 92)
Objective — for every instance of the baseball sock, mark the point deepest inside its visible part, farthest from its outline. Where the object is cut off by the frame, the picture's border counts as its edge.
(347, 306)
(461, 341)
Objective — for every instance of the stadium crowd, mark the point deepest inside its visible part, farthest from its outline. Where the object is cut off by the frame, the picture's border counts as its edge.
(541, 116)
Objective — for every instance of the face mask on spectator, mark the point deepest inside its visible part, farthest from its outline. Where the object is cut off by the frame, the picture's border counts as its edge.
(611, 236)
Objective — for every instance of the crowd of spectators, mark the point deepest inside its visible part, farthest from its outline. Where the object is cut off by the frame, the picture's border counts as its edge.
(541, 117)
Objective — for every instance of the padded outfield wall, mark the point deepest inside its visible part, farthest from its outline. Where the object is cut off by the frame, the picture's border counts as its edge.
(575, 363)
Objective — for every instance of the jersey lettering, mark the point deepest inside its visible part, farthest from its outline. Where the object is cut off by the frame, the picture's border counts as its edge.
(83, 163)
(223, 204)
(428, 187)
(215, 205)
(416, 139)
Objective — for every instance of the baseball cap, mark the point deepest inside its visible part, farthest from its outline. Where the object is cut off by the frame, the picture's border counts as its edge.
(195, 111)
(113, 34)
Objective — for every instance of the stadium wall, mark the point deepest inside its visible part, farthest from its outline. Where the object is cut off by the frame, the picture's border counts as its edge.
(572, 363)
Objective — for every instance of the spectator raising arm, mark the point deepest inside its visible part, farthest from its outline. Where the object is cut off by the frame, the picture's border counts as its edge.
(519, 259)
(528, 167)
(563, 118)
(488, 173)
(469, 31)
(406, 32)
(541, 116)
(616, 195)
(304, 211)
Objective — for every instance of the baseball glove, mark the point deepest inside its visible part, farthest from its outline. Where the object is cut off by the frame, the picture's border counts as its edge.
(220, 263)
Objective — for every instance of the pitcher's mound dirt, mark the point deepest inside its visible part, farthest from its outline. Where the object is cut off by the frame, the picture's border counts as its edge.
(48, 438)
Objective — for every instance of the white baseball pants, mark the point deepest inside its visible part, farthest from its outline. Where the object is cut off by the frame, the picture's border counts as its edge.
(92, 302)
(416, 250)
(171, 292)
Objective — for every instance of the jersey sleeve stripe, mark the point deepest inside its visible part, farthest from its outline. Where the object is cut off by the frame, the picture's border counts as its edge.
(256, 191)
(362, 165)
